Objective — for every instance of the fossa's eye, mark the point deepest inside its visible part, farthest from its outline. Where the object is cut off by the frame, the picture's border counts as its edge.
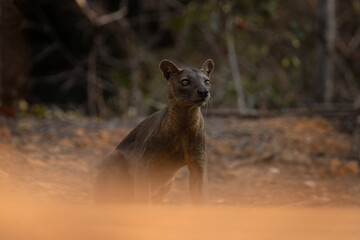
(207, 82)
(185, 82)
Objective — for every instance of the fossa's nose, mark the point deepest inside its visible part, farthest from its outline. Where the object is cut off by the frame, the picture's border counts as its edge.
(203, 92)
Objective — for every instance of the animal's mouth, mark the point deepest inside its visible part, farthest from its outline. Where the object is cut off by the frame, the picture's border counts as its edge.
(200, 102)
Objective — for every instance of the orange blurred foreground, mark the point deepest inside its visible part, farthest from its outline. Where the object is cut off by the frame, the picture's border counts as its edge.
(45, 220)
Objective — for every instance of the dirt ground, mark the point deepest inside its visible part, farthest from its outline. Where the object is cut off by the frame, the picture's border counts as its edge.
(280, 168)
(282, 161)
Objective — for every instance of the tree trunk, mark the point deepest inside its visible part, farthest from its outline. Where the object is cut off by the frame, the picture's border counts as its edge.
(355, 148)
(13, 58)
(326, 30)
(0, 59)
(230, 44)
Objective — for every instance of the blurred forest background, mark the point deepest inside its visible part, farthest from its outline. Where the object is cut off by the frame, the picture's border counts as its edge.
(100, 57)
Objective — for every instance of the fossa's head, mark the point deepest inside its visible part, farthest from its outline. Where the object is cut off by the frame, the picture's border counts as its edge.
(188, 86)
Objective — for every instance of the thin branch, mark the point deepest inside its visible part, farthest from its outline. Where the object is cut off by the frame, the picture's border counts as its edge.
(209, 38)
(55, 37)
(174, 4)
(89, 13)
(112, 17)
(355, 148)
(101, 20)
(44, 53)
(350, 48)
(355, 41)
(166, 16)
(59, 76)
(92, 79)
(351, 86)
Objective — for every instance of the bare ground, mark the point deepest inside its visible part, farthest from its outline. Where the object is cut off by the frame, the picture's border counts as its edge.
(297, 164)
(278, 161)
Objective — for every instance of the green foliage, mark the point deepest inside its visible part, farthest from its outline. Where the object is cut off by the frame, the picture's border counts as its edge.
(42, 111)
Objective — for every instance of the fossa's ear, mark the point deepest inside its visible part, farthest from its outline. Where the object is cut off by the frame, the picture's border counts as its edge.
(168, 68)
(208, 66)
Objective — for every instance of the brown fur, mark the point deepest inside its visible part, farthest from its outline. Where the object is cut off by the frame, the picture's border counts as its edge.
(143, 166)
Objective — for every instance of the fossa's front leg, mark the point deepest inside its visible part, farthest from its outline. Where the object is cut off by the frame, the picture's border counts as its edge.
(198, 180)
(197, 163)
(159, 196)
(143, 182)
